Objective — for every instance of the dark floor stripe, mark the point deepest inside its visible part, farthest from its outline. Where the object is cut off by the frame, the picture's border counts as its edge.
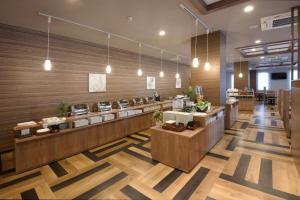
(260, 137)
(29, 195)
(273, 123)
(267, 151)
(58, 169)
(79, 177)
(244, 125)
(114, 152)
(242, 166)
(268, 144)
(167, 181)
(133, 193)
(109, 147)
(141, 157)
(209, 198)
(217, 156)
(18, 180)
(136, 139)
(267, 128)
(232, 144)
(192, 184)
(261, 188)
(92, 192)
(266, 174)
(91, 156)
(143, 135)
(142, 148)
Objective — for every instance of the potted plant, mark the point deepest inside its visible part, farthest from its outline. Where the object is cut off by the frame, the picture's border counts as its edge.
(62, 109)
(191, 93)
(202, 106)
(157, 117)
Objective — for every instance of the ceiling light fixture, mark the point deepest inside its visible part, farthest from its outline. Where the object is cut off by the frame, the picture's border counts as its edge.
(108, 67)
(177, 74)
(207, 64)
(195, 59)
(257, 41)
(240, 74)
(262, 57)
(47, 63)
(253, 49)
(161, 73)
(140, 71)
(248, 9)
(162, 33)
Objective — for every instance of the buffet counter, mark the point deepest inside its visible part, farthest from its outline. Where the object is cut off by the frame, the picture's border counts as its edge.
(183, 150)
(231, 113)
(35, 151)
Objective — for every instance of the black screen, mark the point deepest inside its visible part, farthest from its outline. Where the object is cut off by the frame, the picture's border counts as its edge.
(278, 76)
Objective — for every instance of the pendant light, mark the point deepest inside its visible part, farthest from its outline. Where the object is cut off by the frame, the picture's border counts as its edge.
(47, 63)
(207, 64)
(240, 74)
(177, 74)
(108, 67)
(195, 59)
(161, 73)
(140, 71)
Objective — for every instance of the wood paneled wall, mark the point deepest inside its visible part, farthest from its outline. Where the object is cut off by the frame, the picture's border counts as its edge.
(295, 126)
(241, 83)
(30, 93)
(253, 79)
(213, 81)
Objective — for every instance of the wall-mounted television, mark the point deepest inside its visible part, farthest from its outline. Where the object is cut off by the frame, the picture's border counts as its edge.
(279, 76)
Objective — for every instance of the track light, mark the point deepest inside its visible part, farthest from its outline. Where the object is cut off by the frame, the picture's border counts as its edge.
(196, 60)
(108, 67)
(47, 63)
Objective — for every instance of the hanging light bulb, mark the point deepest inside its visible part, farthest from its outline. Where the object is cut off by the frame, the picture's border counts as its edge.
(161, 73)
(195, 59)
(177, 74)
(140, 71)
(207, 64)
(47, 63)
(108, 67)
(240, 74)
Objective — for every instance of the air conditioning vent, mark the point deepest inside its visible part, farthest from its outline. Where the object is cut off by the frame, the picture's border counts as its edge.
(277, 21)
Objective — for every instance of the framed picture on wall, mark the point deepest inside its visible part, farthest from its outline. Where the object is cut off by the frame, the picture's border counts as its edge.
(178, 83)
(150, 83)
(97, 82)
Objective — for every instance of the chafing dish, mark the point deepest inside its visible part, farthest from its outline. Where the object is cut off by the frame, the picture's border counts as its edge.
(137, 101)
(149, 100)
(121, 104)
(80, 109)
(103, 106)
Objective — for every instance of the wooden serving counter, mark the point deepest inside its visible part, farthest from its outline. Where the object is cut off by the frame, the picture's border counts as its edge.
(246, 102)
(35, 151)
(231, 113)
(183, 150)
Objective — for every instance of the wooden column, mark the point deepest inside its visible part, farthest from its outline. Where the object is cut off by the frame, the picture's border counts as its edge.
(298, 22)
(292, 43)
(214, 80)
(241, 83)
(253, 79)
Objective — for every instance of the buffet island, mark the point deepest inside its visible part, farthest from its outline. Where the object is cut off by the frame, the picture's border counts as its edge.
(246, 98)
(36, 145)
(183, 149)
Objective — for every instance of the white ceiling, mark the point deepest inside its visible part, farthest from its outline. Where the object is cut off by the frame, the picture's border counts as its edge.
(210, 1)
(148, 18)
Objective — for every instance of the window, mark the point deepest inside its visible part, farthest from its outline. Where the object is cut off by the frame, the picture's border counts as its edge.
(262, 80)
(295, 74)
(232, 81)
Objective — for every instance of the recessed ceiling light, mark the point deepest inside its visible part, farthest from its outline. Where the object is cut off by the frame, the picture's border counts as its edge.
(162, 33)
(248, 8)
(257, 41)
(262, 57)
(253, 49)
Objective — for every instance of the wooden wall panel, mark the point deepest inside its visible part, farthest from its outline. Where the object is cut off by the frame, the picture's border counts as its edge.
(241, 83)
(295, 126)
(253, 79)
(30, 93)
(213, 81)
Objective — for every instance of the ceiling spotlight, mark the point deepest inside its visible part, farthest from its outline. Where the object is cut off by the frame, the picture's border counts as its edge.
(248, 9)
(262, 57)
(257, 41)
(253, 49)
(162, 33)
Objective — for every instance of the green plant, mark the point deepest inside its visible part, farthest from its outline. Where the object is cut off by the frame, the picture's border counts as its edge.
(202, 106)
(62, 108)
(191, 93)
(157, 116)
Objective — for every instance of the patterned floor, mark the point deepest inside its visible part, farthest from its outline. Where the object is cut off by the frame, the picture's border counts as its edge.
(252, 161)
